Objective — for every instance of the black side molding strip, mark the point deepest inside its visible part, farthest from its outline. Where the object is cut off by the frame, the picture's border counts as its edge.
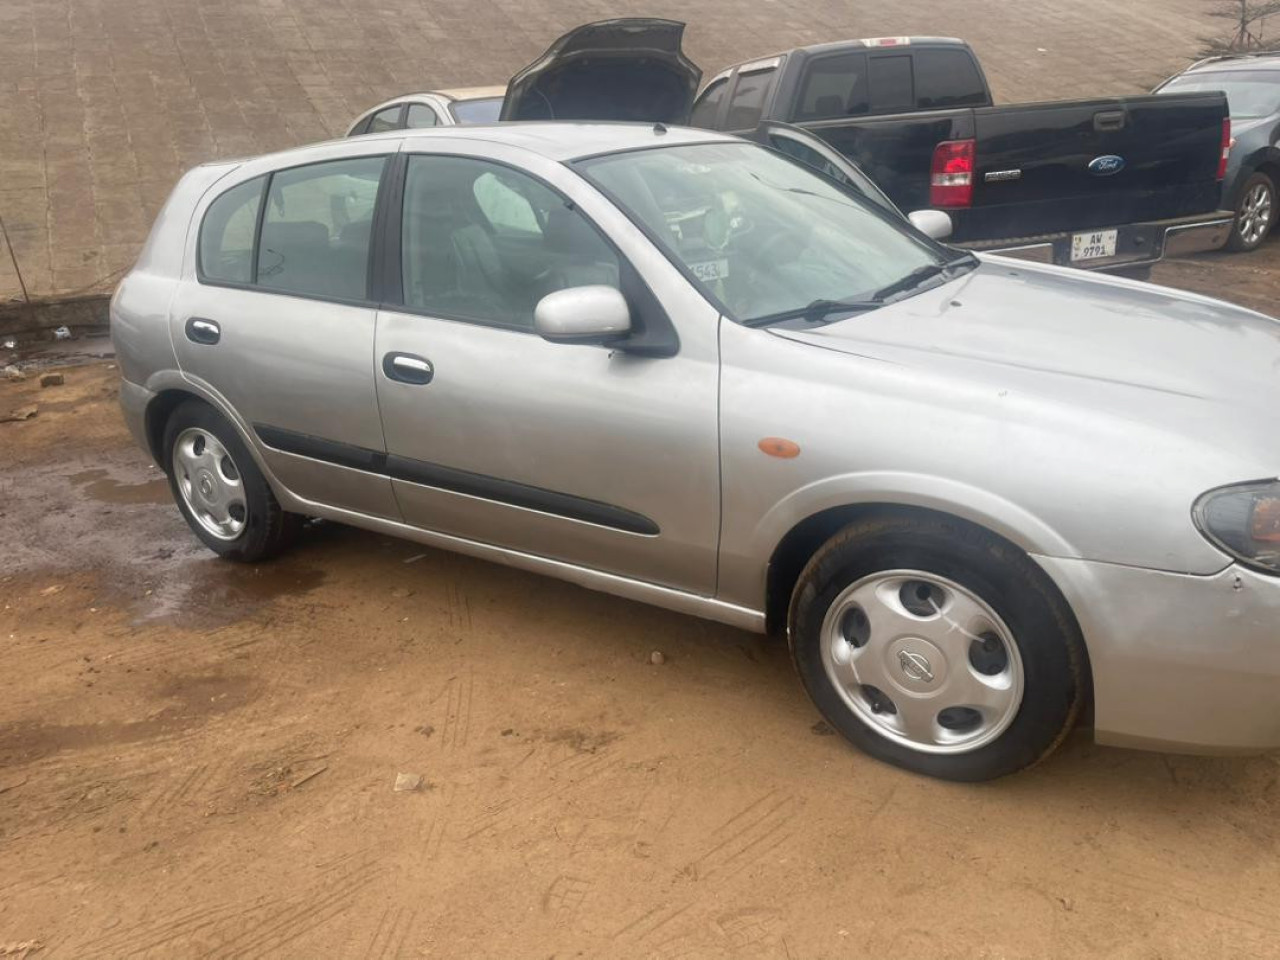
(457, 481)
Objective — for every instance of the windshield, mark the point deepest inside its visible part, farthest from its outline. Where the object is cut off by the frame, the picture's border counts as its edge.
(484, 110)
(761, 234)
(1250, 93)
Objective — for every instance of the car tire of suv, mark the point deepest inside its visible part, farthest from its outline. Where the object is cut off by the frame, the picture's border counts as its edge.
(1255, 214)
(972, 575)
(255, 527)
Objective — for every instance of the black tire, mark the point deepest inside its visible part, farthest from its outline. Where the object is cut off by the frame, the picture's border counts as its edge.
(268, 529)
(1238, 241)
(1055, 673)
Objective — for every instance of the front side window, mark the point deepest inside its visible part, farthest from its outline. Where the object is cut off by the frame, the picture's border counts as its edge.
(484, 243)
(757, 232)
(834, 87)
(388, 119)
(316, 229)
(226, 235)
(707, 109)
(749, 95)
(419, 115)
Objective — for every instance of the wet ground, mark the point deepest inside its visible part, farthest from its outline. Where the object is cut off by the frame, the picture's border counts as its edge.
(199, 759)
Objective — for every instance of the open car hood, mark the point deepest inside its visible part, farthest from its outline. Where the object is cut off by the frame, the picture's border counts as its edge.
(626, 69)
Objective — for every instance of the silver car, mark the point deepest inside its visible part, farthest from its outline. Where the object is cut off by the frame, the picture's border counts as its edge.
(977, 495)
(435, 108)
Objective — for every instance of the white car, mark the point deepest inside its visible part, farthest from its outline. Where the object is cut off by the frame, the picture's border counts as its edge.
(435, 108)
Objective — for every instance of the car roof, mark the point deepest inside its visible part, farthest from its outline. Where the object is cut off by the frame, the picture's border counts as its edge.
(563, 141)
(1267, 60)
(472, 93)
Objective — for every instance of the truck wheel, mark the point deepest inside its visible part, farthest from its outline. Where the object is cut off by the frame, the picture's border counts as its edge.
(1255, 214)
(935, 647)
(218, 487)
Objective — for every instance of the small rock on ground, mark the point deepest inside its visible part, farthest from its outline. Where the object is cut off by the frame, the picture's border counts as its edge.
(52, 380)
(409, 782)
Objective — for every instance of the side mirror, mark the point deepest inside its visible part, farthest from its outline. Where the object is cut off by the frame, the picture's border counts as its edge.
(932, 223)
(595, 314)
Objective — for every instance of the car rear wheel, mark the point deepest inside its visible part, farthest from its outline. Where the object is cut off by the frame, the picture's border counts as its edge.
(1255, 213)
(936, 647)
(218, 487)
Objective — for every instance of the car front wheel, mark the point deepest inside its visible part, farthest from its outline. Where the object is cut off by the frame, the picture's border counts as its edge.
(1255, 214)
(936, 647)
(218, 487)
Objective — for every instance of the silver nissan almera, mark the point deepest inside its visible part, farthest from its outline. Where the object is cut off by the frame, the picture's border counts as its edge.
(976, 494)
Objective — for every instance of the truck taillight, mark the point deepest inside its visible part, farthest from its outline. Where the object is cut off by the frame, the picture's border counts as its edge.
(1226, 148)
(951, 177)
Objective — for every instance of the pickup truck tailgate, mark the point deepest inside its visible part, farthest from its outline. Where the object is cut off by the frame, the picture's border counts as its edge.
(1095, 163)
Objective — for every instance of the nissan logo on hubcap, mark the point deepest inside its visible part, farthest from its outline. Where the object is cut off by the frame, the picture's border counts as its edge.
(915, 666)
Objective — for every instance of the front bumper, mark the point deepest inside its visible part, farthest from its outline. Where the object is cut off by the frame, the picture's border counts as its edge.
(1137, 244)
(1180, 663)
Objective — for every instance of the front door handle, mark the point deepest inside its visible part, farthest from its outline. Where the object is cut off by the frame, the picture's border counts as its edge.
(407, 368)
(200, 330)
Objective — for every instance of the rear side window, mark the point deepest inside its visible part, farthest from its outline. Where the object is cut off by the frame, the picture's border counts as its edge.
(419, 116)
(316, 229)
(891, 87)
(226, 235)
(707, 108)
(749, 96)
(947, 78)
(388, 119)
(834, 87)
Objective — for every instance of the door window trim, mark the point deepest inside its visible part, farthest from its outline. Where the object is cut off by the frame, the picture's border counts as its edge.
(657, 335)
(267, 177)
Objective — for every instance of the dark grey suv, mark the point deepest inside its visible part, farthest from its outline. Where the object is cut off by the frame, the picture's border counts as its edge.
(1252, 85)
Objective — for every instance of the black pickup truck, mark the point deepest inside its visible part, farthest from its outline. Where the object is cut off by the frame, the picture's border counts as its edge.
(1112, 184)
(1106, 184)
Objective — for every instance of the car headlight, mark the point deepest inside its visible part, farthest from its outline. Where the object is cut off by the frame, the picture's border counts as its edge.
(1244, 520)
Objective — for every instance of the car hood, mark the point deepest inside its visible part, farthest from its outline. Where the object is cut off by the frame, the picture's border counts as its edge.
(625, 69)
(1084, 338)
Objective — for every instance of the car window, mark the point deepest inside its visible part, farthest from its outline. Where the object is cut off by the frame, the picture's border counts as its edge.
(749, 95)
(891, 87)
(947, 78)
(480, 110)
(388, 119)
(1250, 93)
(707, 109)
(808, 155)
(484, 243)
(419, 115)
(316, 229)
(759, 233)
(834, 87)
(226, 234)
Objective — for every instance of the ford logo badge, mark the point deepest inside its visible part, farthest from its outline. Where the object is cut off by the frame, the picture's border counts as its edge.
(1106, 166)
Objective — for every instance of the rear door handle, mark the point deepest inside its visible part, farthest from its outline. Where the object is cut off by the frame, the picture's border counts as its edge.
(407, 368)
(200, 330)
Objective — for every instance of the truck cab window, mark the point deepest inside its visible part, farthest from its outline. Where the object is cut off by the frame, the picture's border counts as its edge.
(891, 87)
(749, 96)
(708, 105)
(948, 78)
(834, 87)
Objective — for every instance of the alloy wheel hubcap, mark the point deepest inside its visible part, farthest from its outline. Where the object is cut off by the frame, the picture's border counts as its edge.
(1255, 214)
(210, 483)
(923, 661)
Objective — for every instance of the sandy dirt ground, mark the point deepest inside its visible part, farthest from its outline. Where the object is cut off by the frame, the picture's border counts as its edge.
(199, 759)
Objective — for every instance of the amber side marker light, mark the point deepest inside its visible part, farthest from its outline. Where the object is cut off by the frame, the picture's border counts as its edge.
(779, 447)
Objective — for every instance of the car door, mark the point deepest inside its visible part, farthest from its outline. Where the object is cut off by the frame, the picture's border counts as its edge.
(274, 319)
(601, 457)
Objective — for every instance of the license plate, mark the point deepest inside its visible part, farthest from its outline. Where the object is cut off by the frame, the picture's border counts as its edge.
(1094, 245)
(710, 270)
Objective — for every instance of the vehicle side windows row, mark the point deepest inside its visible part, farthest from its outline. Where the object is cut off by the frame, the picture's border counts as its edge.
(855, 84)
(312, 238)
(400, 116)
(479, 241)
